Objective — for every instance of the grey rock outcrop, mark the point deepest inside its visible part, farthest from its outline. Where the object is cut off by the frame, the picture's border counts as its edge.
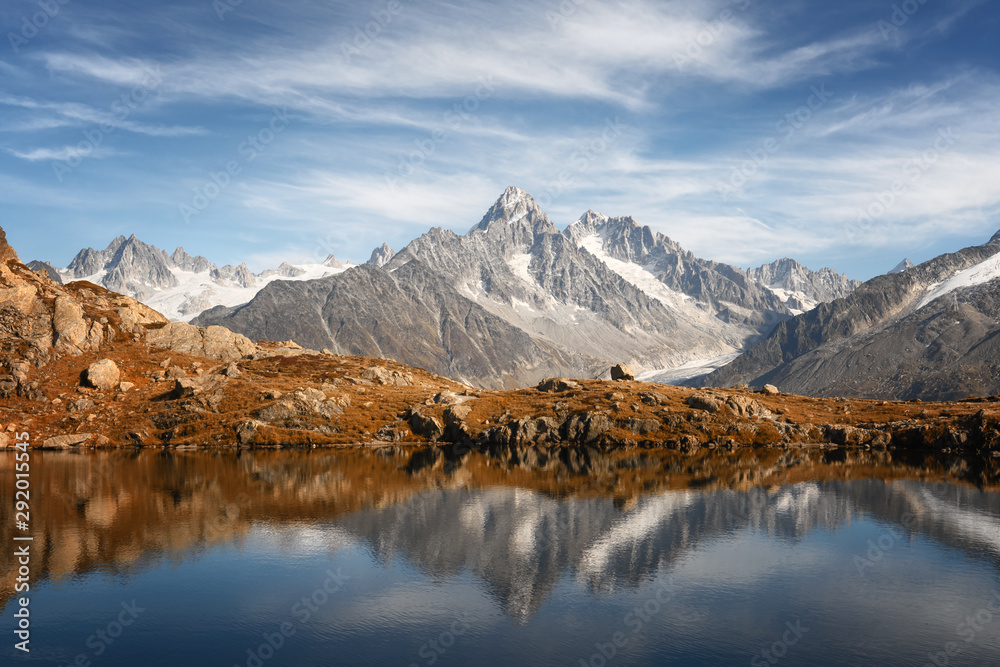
(381, 256)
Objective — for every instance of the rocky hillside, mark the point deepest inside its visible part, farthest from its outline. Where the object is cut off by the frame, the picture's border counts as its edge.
(929, 332)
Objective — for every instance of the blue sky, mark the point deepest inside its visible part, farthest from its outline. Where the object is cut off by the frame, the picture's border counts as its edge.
(846, 134)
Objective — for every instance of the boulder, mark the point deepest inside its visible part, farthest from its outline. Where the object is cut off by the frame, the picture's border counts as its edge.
(557, 385)
(706, 403)
(426, 426)
(67, 441)
(303, 403)
(382, 375)
(70, 327)
(186, 387)
(770, 390)
(747, 407)
(246, 431)
(622, 373)
(585, 427)
(80, 405)
(526, 431)
(653, 398)
(454, 420)
(213, 342)
(103, 375)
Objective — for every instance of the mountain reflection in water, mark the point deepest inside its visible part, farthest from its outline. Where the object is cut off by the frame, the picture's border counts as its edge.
(528, 525)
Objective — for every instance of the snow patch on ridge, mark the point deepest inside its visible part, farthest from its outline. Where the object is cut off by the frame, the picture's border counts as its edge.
(979, 274)
(194, 287)
(638, 276)
(789, 297)
(519, 265)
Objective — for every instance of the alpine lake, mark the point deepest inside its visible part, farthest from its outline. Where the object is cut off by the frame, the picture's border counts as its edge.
(418, 555)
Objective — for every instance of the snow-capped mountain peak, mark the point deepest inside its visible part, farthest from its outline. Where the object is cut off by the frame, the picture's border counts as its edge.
(180, 285)
(515, 216)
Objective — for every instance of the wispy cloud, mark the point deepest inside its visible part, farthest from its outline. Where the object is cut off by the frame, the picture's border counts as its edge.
(696, 84)
(73, 114)
(65, 153)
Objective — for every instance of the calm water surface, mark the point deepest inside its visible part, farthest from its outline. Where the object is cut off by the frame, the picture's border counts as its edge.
(425, 557)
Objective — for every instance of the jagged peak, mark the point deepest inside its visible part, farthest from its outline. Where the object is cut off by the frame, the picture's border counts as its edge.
(783, 264)
(330, 261)
(515, 207)
(113, 247)
(381, 256)
(905, 265)
(995, 236)
(7, 252)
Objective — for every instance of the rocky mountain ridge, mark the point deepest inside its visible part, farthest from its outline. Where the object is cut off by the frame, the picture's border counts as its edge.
(802, 289)
(928, 332)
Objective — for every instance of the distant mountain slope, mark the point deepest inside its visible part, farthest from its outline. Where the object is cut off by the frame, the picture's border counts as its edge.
(178, 285)
(411, 313)
(928, 332)
(514, 300)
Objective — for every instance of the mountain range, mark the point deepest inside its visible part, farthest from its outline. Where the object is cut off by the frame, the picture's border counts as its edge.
(515, 300)
(177, 285)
